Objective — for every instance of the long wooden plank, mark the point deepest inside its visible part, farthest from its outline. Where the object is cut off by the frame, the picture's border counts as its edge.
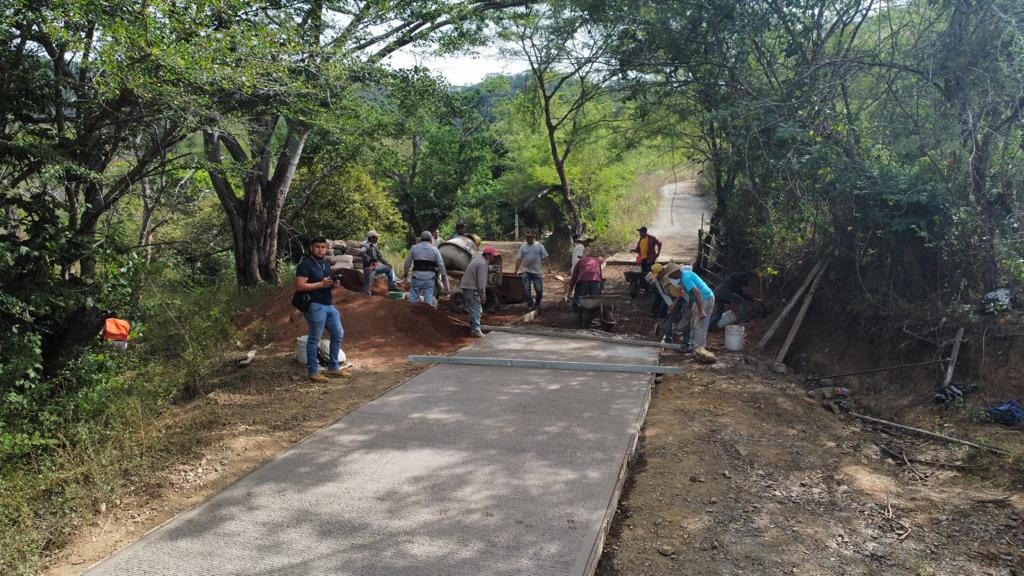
(930, 434)
(591, 337)
(789, 307)
(545, 364)
(800, 316)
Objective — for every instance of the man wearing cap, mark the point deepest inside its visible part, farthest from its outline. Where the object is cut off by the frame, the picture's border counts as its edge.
(374, 263)
(648, 248)
(530, 255)
(474, 287)
(579, 248)
(427, 266)
(703, 300)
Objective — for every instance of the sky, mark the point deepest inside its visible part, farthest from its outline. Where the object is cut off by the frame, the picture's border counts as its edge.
(461, 70)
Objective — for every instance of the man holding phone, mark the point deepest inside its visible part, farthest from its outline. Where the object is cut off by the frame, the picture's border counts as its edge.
(313, 275)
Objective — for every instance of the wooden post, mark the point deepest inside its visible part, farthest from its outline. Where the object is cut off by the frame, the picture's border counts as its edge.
(800, 316)
(789, 307)
(952, 358)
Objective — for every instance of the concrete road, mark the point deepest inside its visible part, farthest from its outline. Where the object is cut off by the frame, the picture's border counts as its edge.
(462, 470)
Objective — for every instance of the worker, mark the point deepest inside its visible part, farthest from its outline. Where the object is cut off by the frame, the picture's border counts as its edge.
(427, 267)
(474, 287)
(313, 276)
(702, 300)
(437, 237)
(460, 230)
(667, 295)
(586, 277)
(530, 255)
(580, 243)
(730, 291)
(648, 248)
(374, 263)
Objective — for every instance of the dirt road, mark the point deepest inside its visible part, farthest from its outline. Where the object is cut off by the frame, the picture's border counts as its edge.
(675, 223)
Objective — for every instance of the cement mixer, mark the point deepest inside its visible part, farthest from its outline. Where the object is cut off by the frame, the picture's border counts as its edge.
(457, 252)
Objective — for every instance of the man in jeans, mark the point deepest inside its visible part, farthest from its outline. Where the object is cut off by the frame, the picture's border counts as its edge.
(426, 263)
(374, 263)
(530, 255)
(313, 275)
(474, 287)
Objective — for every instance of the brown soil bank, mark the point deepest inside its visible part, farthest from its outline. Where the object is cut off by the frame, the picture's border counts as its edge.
(375, 326)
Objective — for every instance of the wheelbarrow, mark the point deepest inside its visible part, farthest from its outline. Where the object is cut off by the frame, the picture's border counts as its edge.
(601, 307)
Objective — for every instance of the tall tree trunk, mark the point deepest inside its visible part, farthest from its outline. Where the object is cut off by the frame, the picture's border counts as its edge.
(256, 217)
(981, 158)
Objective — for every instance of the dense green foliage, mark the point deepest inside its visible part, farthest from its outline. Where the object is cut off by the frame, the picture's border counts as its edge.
(154, 156)
(886, 134)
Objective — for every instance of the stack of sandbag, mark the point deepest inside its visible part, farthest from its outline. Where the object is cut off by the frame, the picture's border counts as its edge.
(344, 254)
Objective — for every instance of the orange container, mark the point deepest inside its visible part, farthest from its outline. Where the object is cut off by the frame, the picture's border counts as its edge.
(116, 329)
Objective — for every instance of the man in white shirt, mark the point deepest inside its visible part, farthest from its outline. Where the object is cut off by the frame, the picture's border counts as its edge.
(529, 257)
(579, 249)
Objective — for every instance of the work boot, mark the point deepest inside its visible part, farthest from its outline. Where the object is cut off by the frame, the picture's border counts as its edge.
(318, 377)
(476, 334)
(339, 373)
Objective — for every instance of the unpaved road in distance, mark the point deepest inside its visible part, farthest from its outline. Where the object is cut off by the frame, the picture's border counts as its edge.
(675, 223)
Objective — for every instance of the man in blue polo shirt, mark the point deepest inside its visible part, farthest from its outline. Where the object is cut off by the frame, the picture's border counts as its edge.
(703, 300)
(314, 276)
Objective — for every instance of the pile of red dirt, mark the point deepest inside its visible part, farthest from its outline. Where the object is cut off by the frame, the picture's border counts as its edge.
(371, 323)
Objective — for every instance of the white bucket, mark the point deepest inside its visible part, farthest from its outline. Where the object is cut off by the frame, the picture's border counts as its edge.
(734, 338)
(325, 345)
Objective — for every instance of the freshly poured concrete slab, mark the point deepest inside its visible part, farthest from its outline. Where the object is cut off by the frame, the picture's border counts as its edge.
(462, 470)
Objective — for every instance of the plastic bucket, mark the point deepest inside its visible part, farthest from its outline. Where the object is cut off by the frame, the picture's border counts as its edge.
(734, 338)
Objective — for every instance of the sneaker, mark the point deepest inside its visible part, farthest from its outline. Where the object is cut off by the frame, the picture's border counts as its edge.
(476, 334)
(339, 373)
(318, 377)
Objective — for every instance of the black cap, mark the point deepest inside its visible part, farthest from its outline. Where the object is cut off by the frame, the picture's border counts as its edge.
(642, 229)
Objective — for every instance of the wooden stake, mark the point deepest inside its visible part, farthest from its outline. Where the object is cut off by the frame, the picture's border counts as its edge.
(952, 358)
(789, 307)
(930, 434)
(800, 316)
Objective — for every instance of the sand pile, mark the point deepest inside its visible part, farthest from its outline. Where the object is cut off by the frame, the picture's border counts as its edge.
(370, 322)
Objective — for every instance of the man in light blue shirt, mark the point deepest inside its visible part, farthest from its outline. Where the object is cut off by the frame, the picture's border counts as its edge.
(703, 299)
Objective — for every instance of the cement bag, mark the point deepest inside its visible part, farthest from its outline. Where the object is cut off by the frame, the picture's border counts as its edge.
(728, 317)
(323, 355)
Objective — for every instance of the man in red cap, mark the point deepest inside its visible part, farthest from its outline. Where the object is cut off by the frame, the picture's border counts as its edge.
(474, 287)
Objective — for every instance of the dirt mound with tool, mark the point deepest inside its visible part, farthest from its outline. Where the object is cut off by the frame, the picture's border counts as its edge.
(373, 324)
